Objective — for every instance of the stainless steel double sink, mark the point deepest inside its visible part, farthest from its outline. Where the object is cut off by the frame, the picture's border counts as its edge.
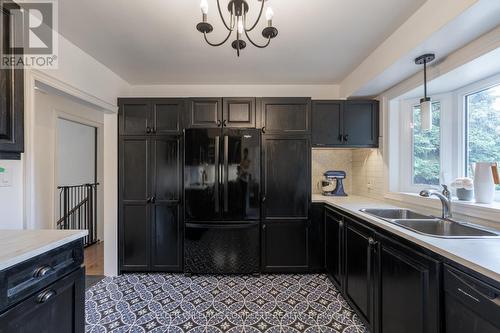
(430, 225)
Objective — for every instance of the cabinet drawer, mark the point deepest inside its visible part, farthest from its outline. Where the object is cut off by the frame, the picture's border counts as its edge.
(22, 280)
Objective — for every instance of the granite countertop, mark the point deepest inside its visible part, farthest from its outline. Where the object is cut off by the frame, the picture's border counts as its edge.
(480, 255)
(19, 245)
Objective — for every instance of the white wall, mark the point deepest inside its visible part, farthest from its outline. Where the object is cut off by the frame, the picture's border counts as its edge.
(314, 91)
(76, 155)
(11, 198)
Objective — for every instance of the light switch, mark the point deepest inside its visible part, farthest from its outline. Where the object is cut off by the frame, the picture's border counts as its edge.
(5, 177)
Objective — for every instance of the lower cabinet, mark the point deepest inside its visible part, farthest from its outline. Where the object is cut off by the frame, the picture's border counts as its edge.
(359, 263)
(317, 238)
(407, 290)
(334, 240)
(285, 246)
(57, 308)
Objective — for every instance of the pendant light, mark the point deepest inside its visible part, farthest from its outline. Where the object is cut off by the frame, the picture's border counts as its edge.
(425, 102)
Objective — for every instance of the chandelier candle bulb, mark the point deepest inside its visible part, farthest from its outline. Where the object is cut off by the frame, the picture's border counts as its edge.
(269, 16)
(204, 8)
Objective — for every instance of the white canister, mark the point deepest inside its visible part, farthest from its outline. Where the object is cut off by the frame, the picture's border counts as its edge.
(484, 186)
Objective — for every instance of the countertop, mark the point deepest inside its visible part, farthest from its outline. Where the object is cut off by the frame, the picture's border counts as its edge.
(19, 245)
(480, 255)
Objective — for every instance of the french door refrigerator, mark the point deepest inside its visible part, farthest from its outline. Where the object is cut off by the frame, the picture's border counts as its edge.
(222, 201)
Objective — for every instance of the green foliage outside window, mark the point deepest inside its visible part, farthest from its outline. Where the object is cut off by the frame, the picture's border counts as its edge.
(427, 148)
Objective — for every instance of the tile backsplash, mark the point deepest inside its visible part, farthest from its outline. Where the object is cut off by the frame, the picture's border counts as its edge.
(331, 159)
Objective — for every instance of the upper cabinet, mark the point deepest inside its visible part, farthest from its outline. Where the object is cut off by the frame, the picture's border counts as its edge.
(205, 112)
(239, 112)
(286, 115)
(144, 116)
(350, 123)
(11, 96)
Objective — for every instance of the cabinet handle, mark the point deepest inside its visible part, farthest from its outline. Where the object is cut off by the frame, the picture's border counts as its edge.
(264, 129)
(263, 227)
(224, 123)
(45, 296)
(346, 137)
(263, 199)
(153, 130)
(219, 123)
(42, 271)
(148, 200)
(372, 242)
(341, 138)
(148, 130)
(341, 224)
(153, 200)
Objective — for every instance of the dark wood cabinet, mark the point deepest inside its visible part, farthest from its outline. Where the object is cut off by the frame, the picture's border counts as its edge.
(286, 177)
(285, 246)
(338, 123)
(334, 246)
(316, 238)
(407, 290)
(327, 123)
(205, 112)
(146, 116)
(239, 112)
(361, 123)
(57, 308)
(359, 262)
(11, 93)
(150, 198)
(286, 115)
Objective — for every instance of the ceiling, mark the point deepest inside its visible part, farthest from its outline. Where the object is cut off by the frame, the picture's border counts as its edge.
(155, 41)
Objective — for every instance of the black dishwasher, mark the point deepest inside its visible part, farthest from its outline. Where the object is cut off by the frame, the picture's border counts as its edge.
(471, 306)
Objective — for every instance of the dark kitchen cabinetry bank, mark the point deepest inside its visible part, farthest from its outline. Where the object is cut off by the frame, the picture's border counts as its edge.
(11, 91)
(394, 287)
(339, 123)
(45, 294)
(150, 184)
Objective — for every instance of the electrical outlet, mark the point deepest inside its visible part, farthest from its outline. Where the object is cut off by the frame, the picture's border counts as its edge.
(5, 177)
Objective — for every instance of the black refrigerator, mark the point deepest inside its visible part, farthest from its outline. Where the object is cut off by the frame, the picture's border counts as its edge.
(222, 201)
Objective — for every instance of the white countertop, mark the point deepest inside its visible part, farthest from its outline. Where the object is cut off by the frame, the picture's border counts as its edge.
(480, 255)
(19, 245)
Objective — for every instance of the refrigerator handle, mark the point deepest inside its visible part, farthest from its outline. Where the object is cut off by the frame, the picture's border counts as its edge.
(217, 173)
(225, 172)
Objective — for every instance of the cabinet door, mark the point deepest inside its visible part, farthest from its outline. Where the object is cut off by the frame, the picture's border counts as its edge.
(166, 176)
(57, 308)
(134, 193)
(316, 238)
(11, 93)
(286, 177)
(167, 116)
(134, 116)
(359, 268)
(361, 123)
(408, 290)
(205, 112)
(166, 238)
(239, 112)
(286, 115)
(327, 123)
(285, 246)
(334, 240)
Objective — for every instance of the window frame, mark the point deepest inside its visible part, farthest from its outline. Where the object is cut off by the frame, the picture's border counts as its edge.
(406, 162)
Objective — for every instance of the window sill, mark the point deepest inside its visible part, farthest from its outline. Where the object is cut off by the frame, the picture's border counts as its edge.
(468, 208)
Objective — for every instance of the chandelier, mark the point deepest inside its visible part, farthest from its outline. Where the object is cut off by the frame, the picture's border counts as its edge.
(238, 10)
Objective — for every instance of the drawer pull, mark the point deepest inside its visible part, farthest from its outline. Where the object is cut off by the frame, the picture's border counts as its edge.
(45, 296)
(42, 271)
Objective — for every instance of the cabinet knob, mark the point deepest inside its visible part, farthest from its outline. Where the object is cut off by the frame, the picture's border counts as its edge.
(45, 296)
(346, 137)
(148, 130)
(224, 123)
(372, 242)
(153, 199)
(219, 123)
(263, 199)
(42, 271)
(264, 129)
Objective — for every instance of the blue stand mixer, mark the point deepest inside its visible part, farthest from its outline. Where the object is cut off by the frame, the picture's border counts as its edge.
(328, 187)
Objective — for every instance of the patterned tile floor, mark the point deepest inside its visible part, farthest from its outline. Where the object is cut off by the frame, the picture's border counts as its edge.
(175, 303)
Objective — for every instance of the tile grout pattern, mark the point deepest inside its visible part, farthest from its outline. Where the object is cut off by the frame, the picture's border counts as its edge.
(175, 303)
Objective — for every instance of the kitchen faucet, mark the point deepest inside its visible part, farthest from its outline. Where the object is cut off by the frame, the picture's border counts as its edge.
(444, 196)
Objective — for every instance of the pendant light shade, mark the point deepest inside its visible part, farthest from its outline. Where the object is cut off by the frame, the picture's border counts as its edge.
(425, 102)
(426, 113)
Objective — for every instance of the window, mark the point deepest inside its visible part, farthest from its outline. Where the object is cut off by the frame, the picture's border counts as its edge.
(482, 127)
(426, 157)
